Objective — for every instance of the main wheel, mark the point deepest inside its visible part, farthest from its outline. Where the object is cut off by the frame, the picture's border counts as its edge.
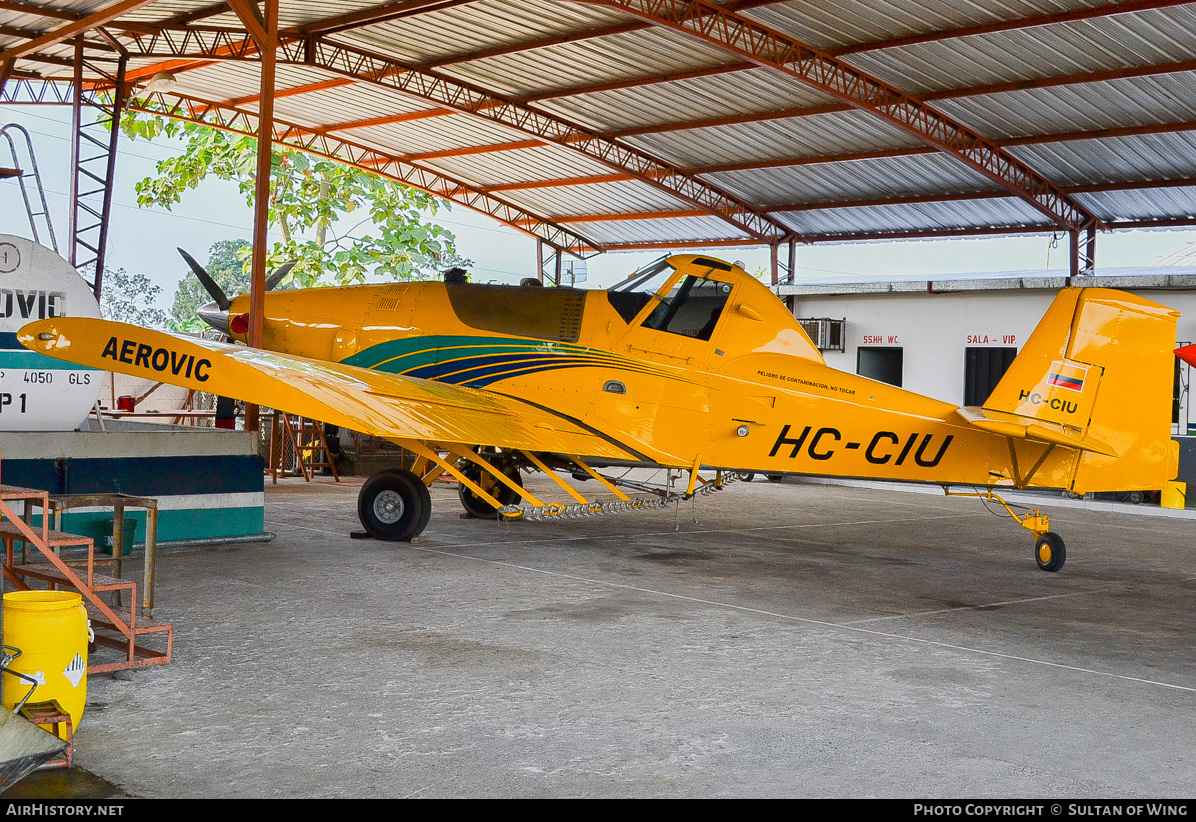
(1050, 552)
(775, 477)
(394, 505)
(746, 476)
(474, 505)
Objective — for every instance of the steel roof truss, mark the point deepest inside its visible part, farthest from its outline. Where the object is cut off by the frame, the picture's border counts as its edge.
(767, 47)
(365, 67)
(227, 118)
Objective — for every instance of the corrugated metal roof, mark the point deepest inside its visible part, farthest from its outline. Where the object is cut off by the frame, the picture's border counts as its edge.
(860, 179)
(929, 217)
(630, 196)
(794, 137)
(653, 125)
(643, 107)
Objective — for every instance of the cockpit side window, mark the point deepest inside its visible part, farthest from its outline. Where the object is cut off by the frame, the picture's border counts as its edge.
(692, 308)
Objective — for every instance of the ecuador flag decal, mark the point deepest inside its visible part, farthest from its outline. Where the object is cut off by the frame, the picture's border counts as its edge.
(1066, 375)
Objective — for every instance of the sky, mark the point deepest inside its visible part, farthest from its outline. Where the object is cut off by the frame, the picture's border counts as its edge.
(144, 240)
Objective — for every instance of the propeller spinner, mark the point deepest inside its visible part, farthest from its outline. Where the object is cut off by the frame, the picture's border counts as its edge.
(215, 313)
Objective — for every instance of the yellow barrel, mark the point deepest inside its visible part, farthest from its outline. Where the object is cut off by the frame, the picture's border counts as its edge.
(51, 630)
(1174, 495)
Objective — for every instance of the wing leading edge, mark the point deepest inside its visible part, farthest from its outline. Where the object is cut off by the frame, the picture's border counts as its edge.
(372, 402)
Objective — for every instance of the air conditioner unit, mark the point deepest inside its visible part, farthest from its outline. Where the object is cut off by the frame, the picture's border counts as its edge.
(825, 333)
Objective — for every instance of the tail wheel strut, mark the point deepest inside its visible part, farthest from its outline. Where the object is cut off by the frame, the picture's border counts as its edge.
(1049, 551)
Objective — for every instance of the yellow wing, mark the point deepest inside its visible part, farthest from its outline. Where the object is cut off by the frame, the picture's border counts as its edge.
(372, 402)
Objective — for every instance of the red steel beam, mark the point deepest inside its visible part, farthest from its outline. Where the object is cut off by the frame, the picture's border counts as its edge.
(633, 215)
(634, 82)
(571, 37)
(563, 181)
(72, 28)
(388, 119)
(1125, 185)
(295, 91)
(727, 120)
(1107, 10)
(813, 159)
(909, 199)
(1025, 140)
(470, 150)
(40, 10)
(377, 14)
(695, 244)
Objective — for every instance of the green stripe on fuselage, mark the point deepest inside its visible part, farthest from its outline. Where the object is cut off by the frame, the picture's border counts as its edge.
(401, 356)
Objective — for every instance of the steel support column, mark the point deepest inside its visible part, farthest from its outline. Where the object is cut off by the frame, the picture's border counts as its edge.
(551, 265)
(1083, 252)
(264, 31)
(93, 164)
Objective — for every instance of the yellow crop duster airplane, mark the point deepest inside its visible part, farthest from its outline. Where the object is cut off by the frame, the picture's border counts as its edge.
(689, 364)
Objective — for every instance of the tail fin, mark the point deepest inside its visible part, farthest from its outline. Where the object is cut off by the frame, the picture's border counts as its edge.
(1099, 368)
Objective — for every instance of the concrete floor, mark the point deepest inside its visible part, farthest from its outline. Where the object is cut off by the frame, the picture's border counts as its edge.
(800, 640)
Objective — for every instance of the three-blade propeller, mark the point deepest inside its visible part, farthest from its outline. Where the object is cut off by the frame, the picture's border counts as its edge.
(215, 313)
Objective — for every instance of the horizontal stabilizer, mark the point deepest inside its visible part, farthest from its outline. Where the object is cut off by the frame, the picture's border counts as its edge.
(1029, 428)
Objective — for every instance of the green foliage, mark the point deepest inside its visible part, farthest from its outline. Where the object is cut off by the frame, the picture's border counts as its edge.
(309, 196)
(129, 298)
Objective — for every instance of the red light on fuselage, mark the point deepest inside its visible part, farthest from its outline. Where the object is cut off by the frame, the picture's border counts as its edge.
(239, 324)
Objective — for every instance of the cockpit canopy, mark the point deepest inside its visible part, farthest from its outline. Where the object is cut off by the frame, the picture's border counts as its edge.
(689, 305)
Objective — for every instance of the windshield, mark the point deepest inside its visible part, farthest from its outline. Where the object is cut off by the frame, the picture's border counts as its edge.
(691, 308)
(633, 293)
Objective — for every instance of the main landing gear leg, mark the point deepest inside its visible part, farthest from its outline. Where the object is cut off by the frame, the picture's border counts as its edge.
(1049, 551)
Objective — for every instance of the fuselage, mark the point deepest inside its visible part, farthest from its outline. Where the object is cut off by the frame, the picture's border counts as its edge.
(739, 386)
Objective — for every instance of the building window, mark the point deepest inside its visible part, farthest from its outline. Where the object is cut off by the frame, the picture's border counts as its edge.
(982, 370)
(880, 363)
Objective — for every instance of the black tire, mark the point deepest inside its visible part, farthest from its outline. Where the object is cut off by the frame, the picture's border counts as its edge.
(1135, 497)
(775, 477)
(394, 505)
(746, 476)
(1049, 552)
(477, 507)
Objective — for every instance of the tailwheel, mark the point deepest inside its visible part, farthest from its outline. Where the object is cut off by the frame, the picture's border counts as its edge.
(1050, 552)
(394, 505)
(477, 507)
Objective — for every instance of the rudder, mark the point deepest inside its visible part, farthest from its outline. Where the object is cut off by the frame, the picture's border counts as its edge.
(1099, 364)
